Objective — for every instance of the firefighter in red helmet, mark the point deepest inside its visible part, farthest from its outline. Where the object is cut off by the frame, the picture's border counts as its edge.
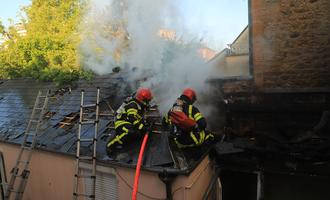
(187, 123)
(129, 119)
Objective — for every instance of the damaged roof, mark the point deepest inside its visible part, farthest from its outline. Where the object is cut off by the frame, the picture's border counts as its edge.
(58, 131)
(285, 131)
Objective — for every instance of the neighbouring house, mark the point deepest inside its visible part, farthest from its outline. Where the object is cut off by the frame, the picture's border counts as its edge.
(21, 30)
(206, 53)
(167, 34)
(234, 60)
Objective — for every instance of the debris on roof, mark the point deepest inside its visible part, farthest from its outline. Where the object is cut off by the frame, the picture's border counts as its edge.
(68, 121)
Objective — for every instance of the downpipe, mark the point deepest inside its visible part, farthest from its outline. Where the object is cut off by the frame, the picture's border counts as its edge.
(167, 180)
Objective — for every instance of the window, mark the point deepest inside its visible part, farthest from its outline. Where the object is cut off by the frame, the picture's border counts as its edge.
(106, 182)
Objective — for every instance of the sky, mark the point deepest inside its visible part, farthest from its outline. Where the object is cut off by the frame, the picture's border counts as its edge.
(10, 9)
(216, 22)
(219, 22)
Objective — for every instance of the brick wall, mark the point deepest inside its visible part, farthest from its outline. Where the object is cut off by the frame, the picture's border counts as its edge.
(291, 43)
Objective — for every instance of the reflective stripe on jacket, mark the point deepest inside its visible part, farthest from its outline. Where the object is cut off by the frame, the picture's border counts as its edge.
(131, 114)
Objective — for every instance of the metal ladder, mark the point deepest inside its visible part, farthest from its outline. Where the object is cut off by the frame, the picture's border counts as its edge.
(18, 179)
(79, 176)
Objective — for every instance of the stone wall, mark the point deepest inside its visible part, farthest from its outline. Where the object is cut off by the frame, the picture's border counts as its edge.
(291, 43)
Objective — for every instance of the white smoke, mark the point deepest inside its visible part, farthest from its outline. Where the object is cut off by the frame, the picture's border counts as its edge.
(167, 66)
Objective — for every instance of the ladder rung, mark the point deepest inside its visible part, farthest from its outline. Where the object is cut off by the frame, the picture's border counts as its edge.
(17, 175)
(88, 122)
(88, 119)
(84, 176)
(39, 108)
(27, 147)
(159, 132)
(43, 96)
(86, 139)
(15, 191)
(86, 158)
(30, 132)
(88, 105)
(106, 114)
(85, 195)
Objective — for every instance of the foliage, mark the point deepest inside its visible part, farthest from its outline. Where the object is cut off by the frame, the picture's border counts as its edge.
(48, 50)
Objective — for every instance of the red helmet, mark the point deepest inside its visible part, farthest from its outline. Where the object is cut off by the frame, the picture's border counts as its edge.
(143, 95)
(190, 93)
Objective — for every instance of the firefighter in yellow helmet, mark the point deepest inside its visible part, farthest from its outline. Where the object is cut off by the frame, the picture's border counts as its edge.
(187, 123)
(129, 120)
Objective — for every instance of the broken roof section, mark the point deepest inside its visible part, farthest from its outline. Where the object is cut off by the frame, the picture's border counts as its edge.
(59, 127)
(18, 97)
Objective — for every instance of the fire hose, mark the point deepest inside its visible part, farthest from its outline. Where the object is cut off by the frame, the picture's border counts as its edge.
(138, 165)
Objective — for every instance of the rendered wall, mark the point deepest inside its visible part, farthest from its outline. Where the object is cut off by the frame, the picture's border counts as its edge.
(193, 187)
(51, 178)
(237, 65)
(51, 175)
(190, 187)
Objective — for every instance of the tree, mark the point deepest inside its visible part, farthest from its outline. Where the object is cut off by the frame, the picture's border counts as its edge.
(48, 51)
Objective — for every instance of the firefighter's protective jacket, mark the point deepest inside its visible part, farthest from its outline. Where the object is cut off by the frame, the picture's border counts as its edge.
(128, 121)
(194, 137)
(131, 113)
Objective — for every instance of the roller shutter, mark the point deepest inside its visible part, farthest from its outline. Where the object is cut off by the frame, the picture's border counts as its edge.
(106, 186)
